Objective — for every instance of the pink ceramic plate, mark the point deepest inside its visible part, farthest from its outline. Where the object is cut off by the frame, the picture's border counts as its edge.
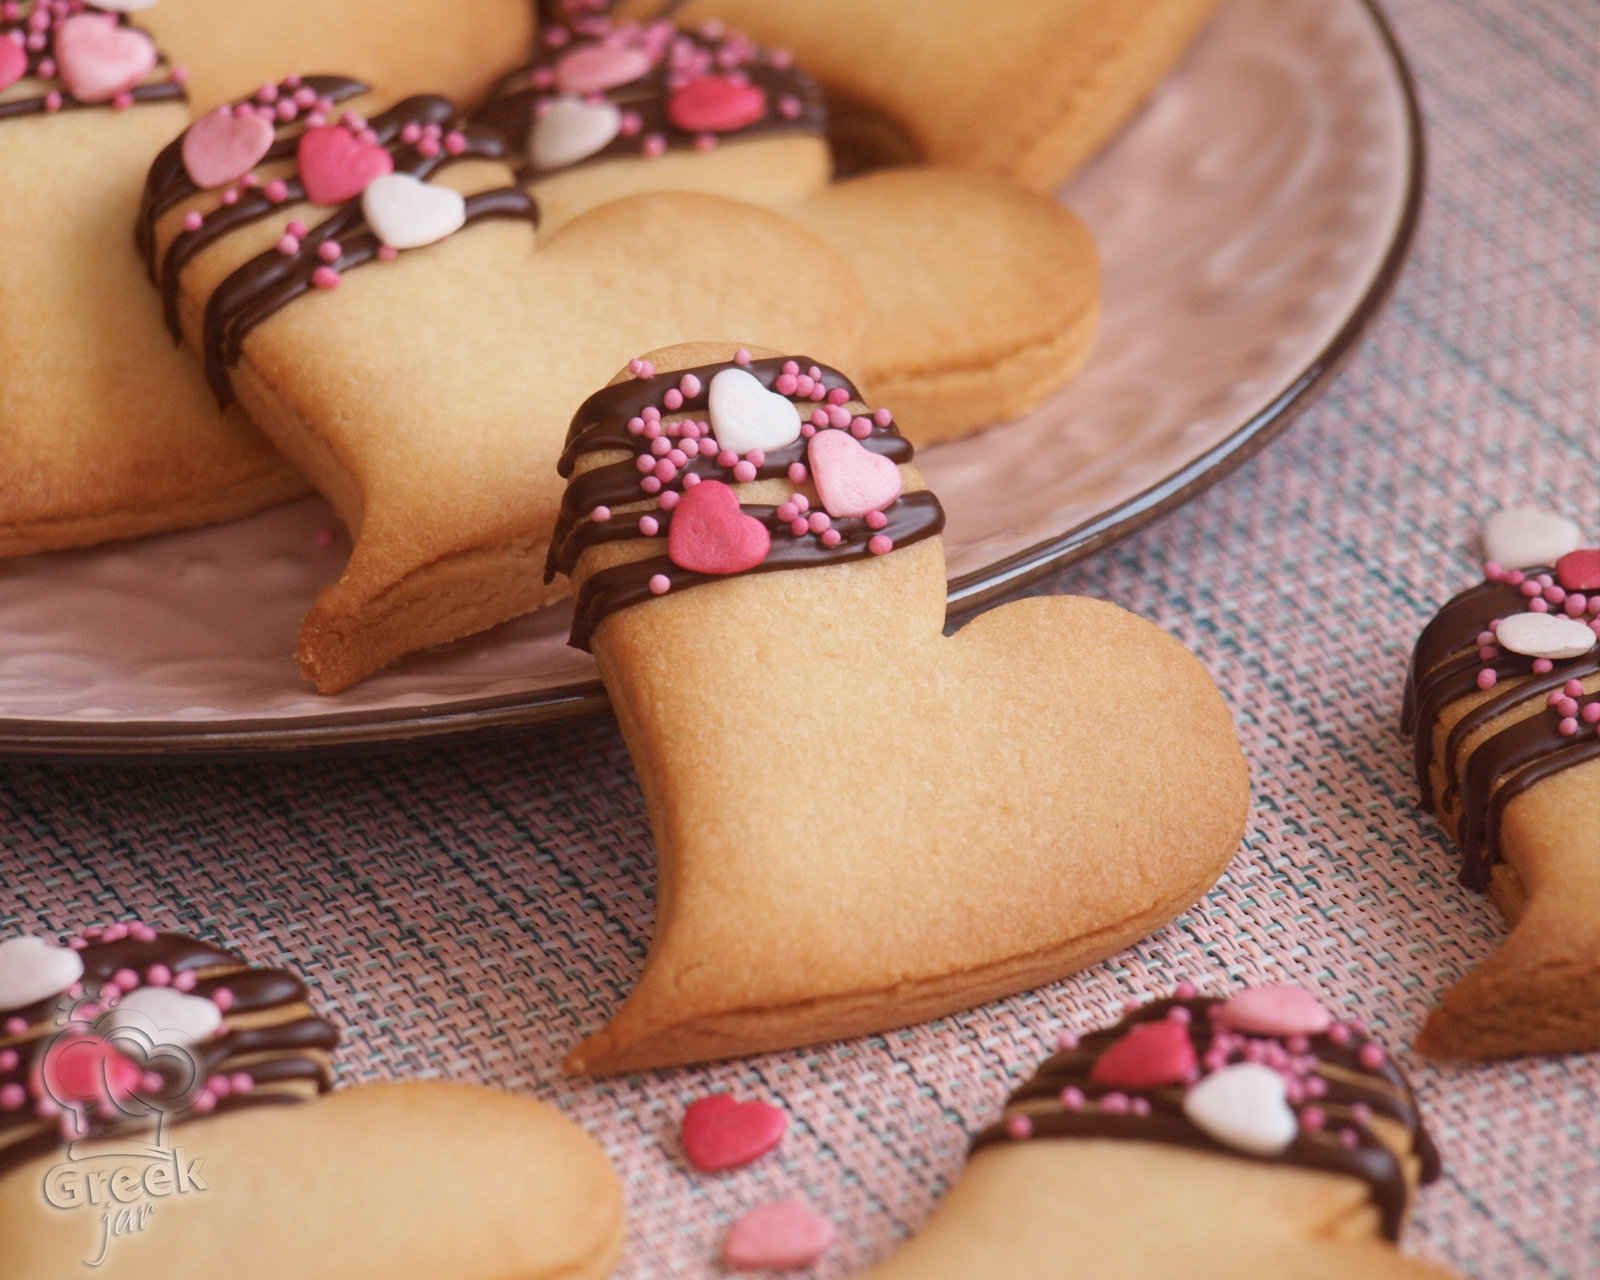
(1251, 222)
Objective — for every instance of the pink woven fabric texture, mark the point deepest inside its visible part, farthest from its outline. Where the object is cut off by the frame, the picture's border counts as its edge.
(469, 912)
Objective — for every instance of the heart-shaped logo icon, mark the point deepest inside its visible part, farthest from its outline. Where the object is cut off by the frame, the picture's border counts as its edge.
(709, 534)
(99, 59)
(746, 416)
(716, 104)
(571, 130)
(598, 67)
(1151, 1054)
(720, 1132)
(221, 146)
(851, 480)
(1243, 1106)
(32, 970)
(336, 166)
(13, 62)
(407, 213)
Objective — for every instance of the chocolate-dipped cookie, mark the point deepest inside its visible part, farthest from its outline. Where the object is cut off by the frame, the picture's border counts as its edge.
(1502, 704)
(167, 1113)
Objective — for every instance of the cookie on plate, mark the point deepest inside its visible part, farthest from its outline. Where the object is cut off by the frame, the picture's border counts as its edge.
(165, 1114)
(1198, 1137)
(859, 822)
(378, 303)
(106, 431)
(1011, 87)
(1502, 703)
(982, 295)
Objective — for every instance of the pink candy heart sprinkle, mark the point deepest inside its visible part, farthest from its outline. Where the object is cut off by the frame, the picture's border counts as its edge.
(1149, 1055)
(220, 147)
(336, 166)
(851, 480)
(709, 534)
(777, 1236)
(720, 1132)
(1276, 1009)
(716, 104)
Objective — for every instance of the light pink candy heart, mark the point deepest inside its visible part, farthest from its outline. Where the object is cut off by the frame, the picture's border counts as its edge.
(776, 1237)
(220, 146)
(1276, 1009)
(13, 62)
(851, 479)
(596, 68)
(99, 59)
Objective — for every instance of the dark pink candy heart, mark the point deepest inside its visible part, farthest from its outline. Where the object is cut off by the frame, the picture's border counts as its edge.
(721, 1132)
(1580, 570)
(716, 104)
(851, 479)
(336, 166)
(220, 146)
(709, 534)
(99, 59)
(1151, 1054)
(13, 62)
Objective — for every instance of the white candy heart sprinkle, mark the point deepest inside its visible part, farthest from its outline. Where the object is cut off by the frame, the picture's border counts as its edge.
(124, 6)
(166, 1016)
(571, 130)
(1244, 1106)
(32, 969)
(406, 212)
(746, 416)
(1521, 537)
(1544, 635)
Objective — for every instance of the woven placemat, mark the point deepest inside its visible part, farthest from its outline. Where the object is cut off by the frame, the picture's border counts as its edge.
(469, 912)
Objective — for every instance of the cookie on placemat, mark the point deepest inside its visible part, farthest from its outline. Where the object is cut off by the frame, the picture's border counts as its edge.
(982, 295)
(859, 822)
(165, 1115)
(1252, 1136)
(1503, 704)
(379, 306)
(1009, 87)
(106, 431)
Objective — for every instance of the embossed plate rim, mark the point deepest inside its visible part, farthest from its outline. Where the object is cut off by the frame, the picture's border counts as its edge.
(358, 732)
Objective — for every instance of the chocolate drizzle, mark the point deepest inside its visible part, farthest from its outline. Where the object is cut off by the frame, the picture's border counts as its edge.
(601, 424)
(1444, 668)
(281, 1047)
(1347, 1087)
(257, 289)
(42, 64)
(793, 100)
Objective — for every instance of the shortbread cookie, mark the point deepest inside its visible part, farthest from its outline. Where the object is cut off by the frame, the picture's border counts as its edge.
(457, 48)
(982, 295)
(1248, 1137)
(106, 431)
(377, 304)
(1503, 703)
(859, 823)
(164, 1115)
(1010, 87)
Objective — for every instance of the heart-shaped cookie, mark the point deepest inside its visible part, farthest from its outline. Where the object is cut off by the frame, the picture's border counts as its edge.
(1124, 1181)
(859, 822)
(998, 86)
(109, 432)
(173, 1122)
(426, 391)
(982, 297)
